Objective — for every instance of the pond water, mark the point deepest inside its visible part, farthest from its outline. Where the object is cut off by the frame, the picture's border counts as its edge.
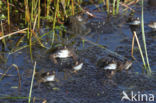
(87, 86)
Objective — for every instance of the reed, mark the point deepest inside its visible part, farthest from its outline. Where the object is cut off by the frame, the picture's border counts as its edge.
(144, 38)
(114, 8)
(39, 13)
(8, 7)
(117, 6)
(18, 73)
(27, 14)
(32, 9)
(73, 7)
(11, 97)
(54, 20)
(2, 35)
(32, 81)
(114, 1)
(48, 7)
(140, 50)
(107, 6)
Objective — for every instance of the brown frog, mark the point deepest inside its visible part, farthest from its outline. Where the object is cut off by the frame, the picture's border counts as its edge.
(152, 25)
(111, 66)
(124, 65)
(45, 77)
(77, 25)
(62, 52)
(134, 21)
(78, 66)
(48, 77)
(152, 3)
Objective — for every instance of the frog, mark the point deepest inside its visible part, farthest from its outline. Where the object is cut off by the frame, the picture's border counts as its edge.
(110, 65)
(62, 52)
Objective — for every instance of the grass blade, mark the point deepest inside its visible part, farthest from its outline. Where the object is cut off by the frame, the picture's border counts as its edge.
(144, 38)
(32, 81)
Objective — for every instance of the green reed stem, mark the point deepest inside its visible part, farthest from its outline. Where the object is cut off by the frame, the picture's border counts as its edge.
(39, 13)
(107, 6)
(32, 10)
(48, 7)
(79, 1)
(2, 30)
(30, 40)
(114, 7)
(73, 7)
(117, 6)
(32, 81)
(68, 3)
(141, 53)
(11, 97)
(27, 14)
(54, 20)
(144, 38)
(83, 43)
(8, 7)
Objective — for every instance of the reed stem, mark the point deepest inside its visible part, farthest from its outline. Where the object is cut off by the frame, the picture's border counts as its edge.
(114, 7)
(8, 7)
(107, 6)
(54, 21)
(144, 38)
(141, 53)
(32, 81)
(39, 13)
(117, 6)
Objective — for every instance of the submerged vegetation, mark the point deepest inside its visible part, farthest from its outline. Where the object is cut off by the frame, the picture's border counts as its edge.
(22, 22)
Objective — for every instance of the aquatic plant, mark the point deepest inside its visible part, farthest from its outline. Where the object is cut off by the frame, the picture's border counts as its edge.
(32, 81)
(144, 38)
(114, 8)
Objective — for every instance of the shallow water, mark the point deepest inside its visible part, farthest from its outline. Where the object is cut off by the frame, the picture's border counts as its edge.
(88, 85)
